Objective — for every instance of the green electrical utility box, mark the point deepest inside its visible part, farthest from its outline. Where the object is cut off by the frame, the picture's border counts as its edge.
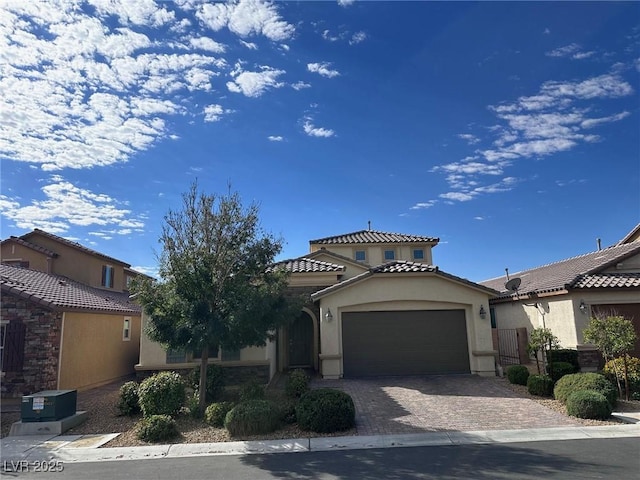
(49, 405)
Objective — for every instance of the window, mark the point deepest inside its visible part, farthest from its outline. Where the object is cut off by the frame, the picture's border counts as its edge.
(176, 356)
(389, 255)
(128, 281)
(418, 254)
(126, 329)
(230, 355)
(107, 276)
(213, 352)
(361, 255)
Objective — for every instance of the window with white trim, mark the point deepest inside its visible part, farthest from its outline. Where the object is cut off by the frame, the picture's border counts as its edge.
(389, 255)
(418, 254)
(360, 255)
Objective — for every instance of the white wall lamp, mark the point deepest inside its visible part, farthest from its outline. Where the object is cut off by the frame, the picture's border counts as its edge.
(483, 312)
(583, 307)
(328, 316)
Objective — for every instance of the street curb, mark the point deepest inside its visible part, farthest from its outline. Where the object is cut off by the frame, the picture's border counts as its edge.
(63, 451)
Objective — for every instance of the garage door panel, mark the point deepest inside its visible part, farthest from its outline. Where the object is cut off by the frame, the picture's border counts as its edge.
(404, 343)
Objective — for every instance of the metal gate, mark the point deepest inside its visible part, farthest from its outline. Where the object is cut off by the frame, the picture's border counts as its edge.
(508, 341)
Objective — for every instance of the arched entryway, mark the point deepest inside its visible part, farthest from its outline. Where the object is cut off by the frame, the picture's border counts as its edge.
(301, 335)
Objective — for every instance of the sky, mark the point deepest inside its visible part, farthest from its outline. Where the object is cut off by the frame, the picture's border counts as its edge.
(509, 130)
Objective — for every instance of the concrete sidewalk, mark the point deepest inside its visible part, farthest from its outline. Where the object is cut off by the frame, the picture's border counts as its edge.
(83, 448)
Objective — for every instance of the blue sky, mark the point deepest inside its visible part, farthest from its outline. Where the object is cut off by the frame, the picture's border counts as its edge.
(511, 131)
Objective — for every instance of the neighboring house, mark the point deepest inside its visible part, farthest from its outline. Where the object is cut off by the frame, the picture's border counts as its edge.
(66, 317)
(376, 306)
(45, 252)
(565, 295)
(61, 334)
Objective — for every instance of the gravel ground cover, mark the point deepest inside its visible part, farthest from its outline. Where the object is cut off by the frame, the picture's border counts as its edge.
(104, 417)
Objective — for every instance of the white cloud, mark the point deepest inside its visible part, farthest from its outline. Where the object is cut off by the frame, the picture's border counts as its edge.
(249, 45)
(214, 112)
(358, 37)
(206, 43)
(300, 85)
(469, 138)
(457, 196)
(346, 3)
(254, 84)
(275, 138)
(478, 218)
(246, 18)
(66, 205)
(594, 122)
(314, 131)
(327, 35)
(565, 51)
(424, 205)
(323, 68)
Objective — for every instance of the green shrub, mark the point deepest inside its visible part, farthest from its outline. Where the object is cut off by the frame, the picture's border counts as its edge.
(297, 384)
(157, 428)
(193, 405)
(517, 374)
(251, 391)
(252, 417)
(215, 381)
(287, 408)
(557, 370)
(565, 355)
(588, 404)
(540, 385)
(633, 372)
(325, 410)
(128, 402)
(585, 381)
(215, 413)
(161, 394)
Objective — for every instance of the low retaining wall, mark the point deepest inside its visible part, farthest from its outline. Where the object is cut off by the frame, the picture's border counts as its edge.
(233, 374)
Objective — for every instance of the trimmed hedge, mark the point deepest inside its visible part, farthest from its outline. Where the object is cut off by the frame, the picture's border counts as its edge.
(326, 410)
(157, 428)
(161, 394)
(540, 385)
(128, 401)
(565, 355)
(588, 404)
(251, 391)
(252, 417)
(557, 370)
(297, 384)
(585, 381)
(215, 413)
(517, 374)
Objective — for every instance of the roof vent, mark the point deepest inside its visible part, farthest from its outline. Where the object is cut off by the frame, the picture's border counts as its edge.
(599, 243)
(63, 283)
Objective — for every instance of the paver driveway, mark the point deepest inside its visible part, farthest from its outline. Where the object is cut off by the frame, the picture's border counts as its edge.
(396, 405)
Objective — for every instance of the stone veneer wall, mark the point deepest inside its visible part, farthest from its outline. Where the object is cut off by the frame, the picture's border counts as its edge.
(41, 349)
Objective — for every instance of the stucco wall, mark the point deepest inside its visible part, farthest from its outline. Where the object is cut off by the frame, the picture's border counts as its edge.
(406, 293)
(79, 266)
(375, 252)
(562, 313)
(41, 347)
(93, 351)
(37, 261)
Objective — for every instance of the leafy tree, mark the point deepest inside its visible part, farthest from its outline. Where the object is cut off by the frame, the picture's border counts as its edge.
(614, 336)
(216, 287)
(541, 341)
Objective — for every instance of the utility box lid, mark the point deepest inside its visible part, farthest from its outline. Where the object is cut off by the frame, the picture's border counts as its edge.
(48, 405)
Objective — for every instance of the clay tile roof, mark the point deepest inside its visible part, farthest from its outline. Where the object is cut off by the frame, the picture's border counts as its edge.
(62, 294)
(75, 245)
(32, 246)
(373, 236)
(399, 267)
(608, 280)
(563, 274)
(305, 265)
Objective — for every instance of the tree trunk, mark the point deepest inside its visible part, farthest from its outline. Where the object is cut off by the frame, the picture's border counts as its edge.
(202, 388)
(626, 377)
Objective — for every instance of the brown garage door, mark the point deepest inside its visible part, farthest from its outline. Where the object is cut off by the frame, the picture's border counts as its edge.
(415, 342)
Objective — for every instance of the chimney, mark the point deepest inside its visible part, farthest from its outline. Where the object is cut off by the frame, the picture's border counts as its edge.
(599, 242)
(369, 223)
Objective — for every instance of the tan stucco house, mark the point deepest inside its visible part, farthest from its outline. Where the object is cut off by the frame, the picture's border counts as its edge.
(565, 295)
(66, 320)
(376, 306)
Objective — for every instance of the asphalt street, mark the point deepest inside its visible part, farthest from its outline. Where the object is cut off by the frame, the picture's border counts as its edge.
(567, 459)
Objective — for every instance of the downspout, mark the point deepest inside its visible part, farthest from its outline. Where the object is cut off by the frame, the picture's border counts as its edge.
(60, 352)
